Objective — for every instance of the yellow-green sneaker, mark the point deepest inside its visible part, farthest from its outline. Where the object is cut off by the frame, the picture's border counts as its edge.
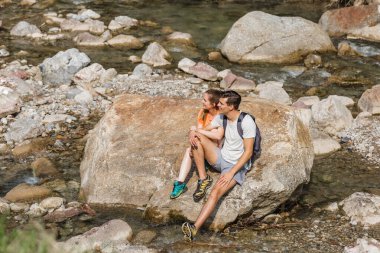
(202, 187)
(189, 231)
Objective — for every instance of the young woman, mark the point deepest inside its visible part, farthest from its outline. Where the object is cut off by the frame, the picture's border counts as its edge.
(205, 116)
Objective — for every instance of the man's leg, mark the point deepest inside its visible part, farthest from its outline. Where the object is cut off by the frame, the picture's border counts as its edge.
(205, 150)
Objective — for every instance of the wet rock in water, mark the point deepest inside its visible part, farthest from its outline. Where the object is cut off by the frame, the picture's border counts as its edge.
(96, 27)
(73, 25)
(4, 207)
(29, 147)
(43, 167)
(331, 116)
(4, 52)
(106, 35)
(113, 233)
(134, 59)
(63, 214)
(28, 2)
(309, 100)
(362, 208)
(125, 41)
(332, 207)
(84, 15)
(122, 22)
(274, 91)
(323, 143)
(10, 102)
(23, 28)
(52, 203)
(370, 100)
(355, 22)
(344, 48)
(203, 71)
(60, 69)
(87, 39)
(294, 71)
(364, 245)
(51, 18)
(142, 70)
(144, 237)
(349, 77)
(280, 40)
(25, 193)
(214, 56)
(346, 101)
(313, 61)
(183, 38)
(156, 55)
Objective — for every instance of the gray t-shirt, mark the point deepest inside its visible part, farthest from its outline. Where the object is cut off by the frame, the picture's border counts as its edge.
(233, 146)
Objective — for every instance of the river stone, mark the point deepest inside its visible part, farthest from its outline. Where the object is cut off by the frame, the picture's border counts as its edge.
(214, 56)
(19, 207)
(269, 84)
(345, 48)
(323, 143)
(276, 94)
(26, 193)
(183, 38)
(84, 98)
(313, 61)
(203, 71)
(362, 208)
(242, 84)
(26, 126)
(370, 100)
(86, 14)
(364, 245)
(73, 25)
(29, 147)
(261, 37)
(309, 100)
(10, 102)
(115, 232)
(87, 39)
(144, 237)
(125, 41)
(52, 203)
(228, 78)
(142, 70)
(4, 208)
(43, 167)
(59, 69)
(331, 115)
(356, 21)
(23, 28)
(36, 210)
(4, 52)
(122, 22)
(89, 77)
(156, 55)
(185, 64)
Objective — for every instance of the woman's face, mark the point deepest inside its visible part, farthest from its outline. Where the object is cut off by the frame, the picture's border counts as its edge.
(206, 102)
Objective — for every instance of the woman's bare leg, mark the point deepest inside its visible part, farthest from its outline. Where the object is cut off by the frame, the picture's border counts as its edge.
(185, 166)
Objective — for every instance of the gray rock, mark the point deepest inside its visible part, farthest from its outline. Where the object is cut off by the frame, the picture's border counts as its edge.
(304, 115)
(362, 208)
(23, 28)
(125, 41)
(276, 94)
(84, 98)
(183, 38)
(309, 100)
(122, 22)
(370, 100)
(156, 55)
(55, 118)
(142, 70)
(261, 37)
(331, 116)
(73, 25)
(313, 61)
(60, 69)
(114, 233)
(185, 64)
(26, 126)
(4, 52)
(52, 203)
(36, 211)
(364, 245)
(87, 39)
(323, 143)
(19, 207)
(4, 208)
(89, 77)
(10, 102)
(294, 71)
(346, 101)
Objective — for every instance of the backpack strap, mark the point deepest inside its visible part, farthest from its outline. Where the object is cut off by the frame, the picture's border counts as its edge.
(240, 120)
(224, 118)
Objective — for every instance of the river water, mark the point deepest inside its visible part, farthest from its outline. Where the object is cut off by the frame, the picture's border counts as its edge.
(304, 226)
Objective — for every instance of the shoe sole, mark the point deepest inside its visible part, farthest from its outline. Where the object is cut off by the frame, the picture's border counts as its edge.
(187, 232)
(198, 199)
(174, 197)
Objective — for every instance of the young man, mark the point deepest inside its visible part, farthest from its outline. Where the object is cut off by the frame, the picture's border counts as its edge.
(232, 160)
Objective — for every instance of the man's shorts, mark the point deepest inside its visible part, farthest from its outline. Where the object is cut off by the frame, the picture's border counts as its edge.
(223, 167)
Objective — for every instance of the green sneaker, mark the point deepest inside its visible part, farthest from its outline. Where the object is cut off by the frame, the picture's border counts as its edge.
(178, 189)
(202, 187)
(189, 231)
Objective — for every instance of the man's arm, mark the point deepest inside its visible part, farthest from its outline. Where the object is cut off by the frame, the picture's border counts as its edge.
(226, 178)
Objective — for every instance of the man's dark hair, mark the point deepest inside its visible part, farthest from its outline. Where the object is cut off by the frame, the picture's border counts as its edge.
(214, 96)
(233, 98)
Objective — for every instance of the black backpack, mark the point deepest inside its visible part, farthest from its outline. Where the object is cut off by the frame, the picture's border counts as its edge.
(257, 143)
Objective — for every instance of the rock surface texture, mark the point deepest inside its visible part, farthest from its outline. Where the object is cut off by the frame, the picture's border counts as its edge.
(128, 161)
(261, 37)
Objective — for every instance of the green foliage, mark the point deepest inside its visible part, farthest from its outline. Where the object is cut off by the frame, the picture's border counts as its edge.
(28, 240)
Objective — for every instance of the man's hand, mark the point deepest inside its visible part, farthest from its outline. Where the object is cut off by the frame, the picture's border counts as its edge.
(225, 179)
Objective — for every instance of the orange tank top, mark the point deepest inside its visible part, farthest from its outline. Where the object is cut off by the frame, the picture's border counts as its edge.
(204, 119)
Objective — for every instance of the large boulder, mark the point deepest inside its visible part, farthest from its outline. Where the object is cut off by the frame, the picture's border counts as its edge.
(356, 21)
(131, 158)
(62, 67)
(261, 37)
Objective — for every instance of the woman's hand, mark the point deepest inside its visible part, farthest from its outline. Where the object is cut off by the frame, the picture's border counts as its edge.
(193, 138)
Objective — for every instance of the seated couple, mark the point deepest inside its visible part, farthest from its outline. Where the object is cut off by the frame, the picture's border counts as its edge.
(232, 160)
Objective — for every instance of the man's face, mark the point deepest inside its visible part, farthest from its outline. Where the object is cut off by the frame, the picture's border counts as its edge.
(223, 107)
